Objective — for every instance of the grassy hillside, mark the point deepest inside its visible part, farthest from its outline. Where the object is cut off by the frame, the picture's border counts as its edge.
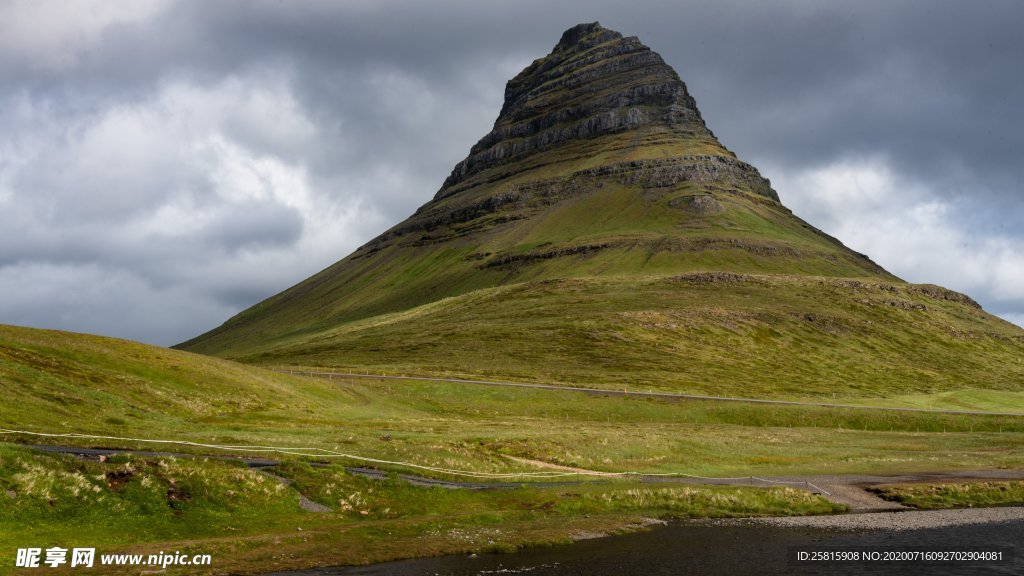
(611, 231)
(59, 382)
(75, 382)
(709, 333)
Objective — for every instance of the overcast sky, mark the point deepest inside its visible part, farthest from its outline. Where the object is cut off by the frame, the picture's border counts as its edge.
(165, 164)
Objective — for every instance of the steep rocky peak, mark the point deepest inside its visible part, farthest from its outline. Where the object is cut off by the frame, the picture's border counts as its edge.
(575, 41)
(584, 36)
(595, 82)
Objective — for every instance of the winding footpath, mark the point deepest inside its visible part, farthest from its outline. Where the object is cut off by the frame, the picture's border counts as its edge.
(849, 489)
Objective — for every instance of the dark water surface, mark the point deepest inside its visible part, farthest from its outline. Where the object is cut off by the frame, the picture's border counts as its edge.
(708, 549)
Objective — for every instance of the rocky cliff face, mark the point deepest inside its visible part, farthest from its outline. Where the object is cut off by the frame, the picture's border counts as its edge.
(598, 83)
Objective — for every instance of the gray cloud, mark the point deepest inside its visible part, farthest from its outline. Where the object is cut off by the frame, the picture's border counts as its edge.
(180, 160)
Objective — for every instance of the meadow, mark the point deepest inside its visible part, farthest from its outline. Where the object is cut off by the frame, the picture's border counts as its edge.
(61, 383)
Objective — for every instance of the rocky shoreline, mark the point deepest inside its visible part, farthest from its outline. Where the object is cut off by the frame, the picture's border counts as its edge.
(891, 521)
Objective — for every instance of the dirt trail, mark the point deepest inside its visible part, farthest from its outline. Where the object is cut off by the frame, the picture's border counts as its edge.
(304, 502)
(859, 499)
(854, 493)
(639, 393)
(849, 489)
(552, 466)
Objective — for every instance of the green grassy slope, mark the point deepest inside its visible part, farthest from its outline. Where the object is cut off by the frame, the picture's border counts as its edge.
(62, 383)
(722, 334)
(58, 382)
(615, 231)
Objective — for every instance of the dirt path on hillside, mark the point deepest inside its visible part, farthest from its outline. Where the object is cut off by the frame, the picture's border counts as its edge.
(636, 393)
(848, 489)
(851, 490)
(552, 466)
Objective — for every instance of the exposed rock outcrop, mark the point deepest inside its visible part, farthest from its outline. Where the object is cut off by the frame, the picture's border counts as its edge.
(595, 82)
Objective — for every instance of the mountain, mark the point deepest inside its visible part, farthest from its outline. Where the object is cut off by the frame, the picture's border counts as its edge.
(601, 234)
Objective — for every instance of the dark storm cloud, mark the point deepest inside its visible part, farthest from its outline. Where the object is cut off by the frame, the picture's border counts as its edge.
(196, 156)
(931, 85)
(908, 78)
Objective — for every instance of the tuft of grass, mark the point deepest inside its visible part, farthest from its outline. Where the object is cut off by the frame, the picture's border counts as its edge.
(53, 500)
(704, 502)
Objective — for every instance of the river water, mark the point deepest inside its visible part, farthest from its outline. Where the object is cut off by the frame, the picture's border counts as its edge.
(700, 549)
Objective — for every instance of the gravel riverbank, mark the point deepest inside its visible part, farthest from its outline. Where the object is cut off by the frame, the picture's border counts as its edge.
(896, 521)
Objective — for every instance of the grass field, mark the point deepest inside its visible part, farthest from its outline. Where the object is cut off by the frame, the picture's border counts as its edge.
(62, 383)
(243, 517)
(105, 386)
